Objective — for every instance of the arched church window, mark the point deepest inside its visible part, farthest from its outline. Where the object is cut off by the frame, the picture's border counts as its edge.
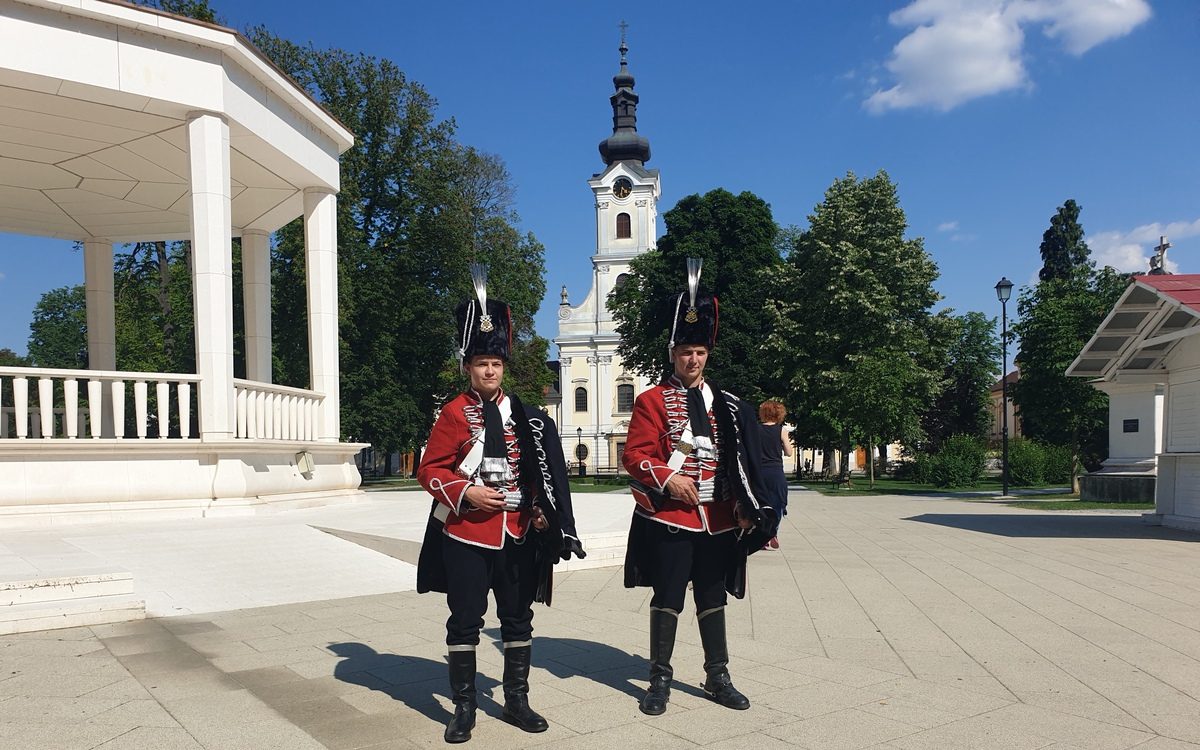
(620, 281)
(581, 399)
(624, 398)
(624, 228)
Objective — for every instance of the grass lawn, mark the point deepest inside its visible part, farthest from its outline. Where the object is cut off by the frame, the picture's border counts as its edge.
(888, 486)
(1076, 504)
(591, 484)
(387, 483)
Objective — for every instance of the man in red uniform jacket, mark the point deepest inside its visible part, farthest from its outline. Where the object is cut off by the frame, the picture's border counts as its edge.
(501, 515)
(693, 457)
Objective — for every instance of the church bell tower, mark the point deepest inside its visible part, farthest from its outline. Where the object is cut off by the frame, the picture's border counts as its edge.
(597, 391)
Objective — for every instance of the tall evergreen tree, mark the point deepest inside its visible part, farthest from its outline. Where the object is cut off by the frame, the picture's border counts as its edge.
(853, 338)
(1065, 254)
(735, 237)
(1055, 319)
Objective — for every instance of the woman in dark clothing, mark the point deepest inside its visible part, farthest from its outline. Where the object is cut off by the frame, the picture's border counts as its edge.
(775, 445)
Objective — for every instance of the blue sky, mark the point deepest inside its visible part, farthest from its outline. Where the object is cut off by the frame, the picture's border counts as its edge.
(988, 114)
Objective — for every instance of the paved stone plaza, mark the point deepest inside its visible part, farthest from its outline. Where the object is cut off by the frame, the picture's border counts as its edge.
(884, 622)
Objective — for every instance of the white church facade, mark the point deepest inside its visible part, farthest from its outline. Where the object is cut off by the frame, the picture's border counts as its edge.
(597, 390)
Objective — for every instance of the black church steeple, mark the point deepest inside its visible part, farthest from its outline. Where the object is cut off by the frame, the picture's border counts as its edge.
(624, 144)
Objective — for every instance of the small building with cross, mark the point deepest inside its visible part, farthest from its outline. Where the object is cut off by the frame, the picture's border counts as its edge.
(1146, 356)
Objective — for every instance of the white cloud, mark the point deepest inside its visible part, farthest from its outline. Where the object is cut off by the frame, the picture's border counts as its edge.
(947, 226)
(1130, 251)
(964, 49)
(1, 276)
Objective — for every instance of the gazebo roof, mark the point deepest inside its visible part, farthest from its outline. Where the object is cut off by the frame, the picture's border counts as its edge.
(94, 100)
(1153, 315)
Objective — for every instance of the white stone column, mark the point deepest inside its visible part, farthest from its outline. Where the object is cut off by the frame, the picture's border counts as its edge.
(320, 256)
(101, 311)
(212, 272)
(256, 296)
(101, 317)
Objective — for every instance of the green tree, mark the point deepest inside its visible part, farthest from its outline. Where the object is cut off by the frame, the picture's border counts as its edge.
(197, 9)
(964, 405)
(1064, 252)
(9, 358)
(735, 237)
(852, 338)
(415, 208)
(58, 332)
(1056, 319)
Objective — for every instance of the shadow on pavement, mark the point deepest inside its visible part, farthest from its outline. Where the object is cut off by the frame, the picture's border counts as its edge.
(412, 680)
(603, 664)
(1070, 526)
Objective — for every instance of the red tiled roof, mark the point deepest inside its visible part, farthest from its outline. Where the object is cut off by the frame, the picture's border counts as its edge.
(1185, 288)
(1011, 377)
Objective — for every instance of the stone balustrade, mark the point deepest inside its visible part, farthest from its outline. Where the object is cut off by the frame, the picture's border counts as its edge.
(275, 412)
(54, 404)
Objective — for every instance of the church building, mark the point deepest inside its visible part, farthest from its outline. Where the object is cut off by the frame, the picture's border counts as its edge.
(597, 390)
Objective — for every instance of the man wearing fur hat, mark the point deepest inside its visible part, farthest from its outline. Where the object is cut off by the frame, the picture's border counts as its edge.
(501, 514)
(692, 453)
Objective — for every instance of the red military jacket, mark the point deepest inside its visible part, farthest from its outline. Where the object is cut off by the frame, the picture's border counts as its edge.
(454, 435)
(660, 419)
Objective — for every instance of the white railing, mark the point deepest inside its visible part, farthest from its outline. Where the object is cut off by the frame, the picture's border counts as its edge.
(64, 410)
(275, 412)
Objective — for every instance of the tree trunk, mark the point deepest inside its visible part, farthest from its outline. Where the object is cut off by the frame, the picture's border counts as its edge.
(871, 460)
(844, 469)
(883, 458)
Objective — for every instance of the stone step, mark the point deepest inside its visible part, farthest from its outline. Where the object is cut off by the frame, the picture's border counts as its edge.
(49, 587)
(603, 551)
(66, 599)
(70, 613)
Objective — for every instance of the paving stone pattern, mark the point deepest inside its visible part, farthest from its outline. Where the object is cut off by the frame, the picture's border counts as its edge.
(884, 622)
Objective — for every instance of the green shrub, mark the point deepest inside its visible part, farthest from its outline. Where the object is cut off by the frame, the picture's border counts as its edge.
(958, 464)
(912, 469)
(1058, 463)
(1026, 462)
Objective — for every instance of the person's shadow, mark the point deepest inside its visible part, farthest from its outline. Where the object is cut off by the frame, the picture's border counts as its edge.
(417, 681)
(412, 680)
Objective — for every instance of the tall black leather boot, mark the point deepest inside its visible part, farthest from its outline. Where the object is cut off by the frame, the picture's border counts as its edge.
(462, 692)
(516, 691)
(717, 684)
(663, 623)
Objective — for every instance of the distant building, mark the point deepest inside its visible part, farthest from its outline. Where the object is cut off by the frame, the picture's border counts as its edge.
(595, 390)
(1014, 419)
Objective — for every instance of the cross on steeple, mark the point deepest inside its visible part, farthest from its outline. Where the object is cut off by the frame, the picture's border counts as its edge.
(623, 48)
(1158, 263)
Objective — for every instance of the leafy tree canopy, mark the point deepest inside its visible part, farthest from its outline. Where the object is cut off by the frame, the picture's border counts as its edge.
(964, 405)
(9, 358)
(58, 332)
(735, 237)
(854, 344)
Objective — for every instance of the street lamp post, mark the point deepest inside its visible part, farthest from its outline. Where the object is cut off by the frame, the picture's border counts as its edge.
(1003, 292)
(579, 448)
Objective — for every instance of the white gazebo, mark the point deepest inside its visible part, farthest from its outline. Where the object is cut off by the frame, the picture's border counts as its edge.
(1146, 356)
(122, 124)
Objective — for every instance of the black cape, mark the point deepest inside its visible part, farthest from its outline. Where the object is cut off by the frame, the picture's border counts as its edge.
(543, 477)
(738, 425)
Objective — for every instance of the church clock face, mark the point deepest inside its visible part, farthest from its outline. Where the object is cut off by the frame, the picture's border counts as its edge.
(622, 188)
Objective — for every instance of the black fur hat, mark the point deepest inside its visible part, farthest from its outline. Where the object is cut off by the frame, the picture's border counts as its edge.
(484, 325)
(695, 315)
